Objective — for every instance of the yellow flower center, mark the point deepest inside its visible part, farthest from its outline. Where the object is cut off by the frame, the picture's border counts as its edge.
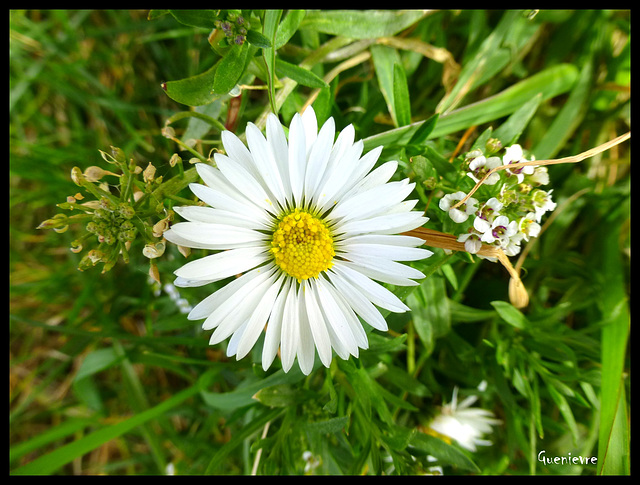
(302, 245)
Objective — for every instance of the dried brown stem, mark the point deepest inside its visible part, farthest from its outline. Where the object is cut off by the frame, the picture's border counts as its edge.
(572, 159)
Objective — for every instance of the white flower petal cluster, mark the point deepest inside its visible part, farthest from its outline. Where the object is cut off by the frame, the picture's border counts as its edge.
(513, 210)
(313, 230)
(465, 424)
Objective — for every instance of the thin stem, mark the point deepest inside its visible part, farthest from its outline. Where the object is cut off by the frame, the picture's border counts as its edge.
(572, 159)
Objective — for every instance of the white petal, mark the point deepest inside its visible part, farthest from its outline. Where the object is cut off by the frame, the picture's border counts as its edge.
(335, 317)
(385, 270)
(290, 330)
(374, 292)
(246, 184)
(217, 236)
(355, 328)
(274, 326)
(339, 180)
(279, 151)
(393, 253)
(310, 123)
(265, 163)
(228, 300)
(360, 304)
(196, 213)
(317, 324)
(222, 265)
(388, 239)
(187, 283)
(306, 348)
(371, 203)
(319, 157)
(223, 201)
(375, 178)
(387, 224)
(207, 306)
(335, 162)
(297, 158)
(258, 319)
(238, 309)
(232, 346)
(237, 151)
(171, 236)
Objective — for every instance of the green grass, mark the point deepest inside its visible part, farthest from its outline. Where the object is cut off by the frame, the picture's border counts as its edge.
(108, 377)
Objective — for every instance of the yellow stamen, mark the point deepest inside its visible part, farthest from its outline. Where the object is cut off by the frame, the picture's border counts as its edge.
(302, 245)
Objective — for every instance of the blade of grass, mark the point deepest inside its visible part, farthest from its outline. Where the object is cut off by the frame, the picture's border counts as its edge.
(49, 463)
(548, 83)
(613, 441)
(270, 28)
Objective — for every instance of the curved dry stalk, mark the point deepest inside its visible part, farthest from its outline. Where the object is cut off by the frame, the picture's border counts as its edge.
(517, 292)
(573, 159)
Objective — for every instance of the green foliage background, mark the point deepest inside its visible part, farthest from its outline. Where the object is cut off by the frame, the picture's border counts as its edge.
(108, 377)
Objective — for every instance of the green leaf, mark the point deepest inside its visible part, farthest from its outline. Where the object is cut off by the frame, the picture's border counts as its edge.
(361, 24)
(97, 361)
(195, 90)
(244, 395)
(257, 423)
(550, 83)
(511, 314)
(196, 18)
(430, 310)
(510, 130)
(444, 452)
(299, 74)
(230, 69)
(288, 27)
(613, 439)
(384, 59)
(569, 117)
(327, 426)
(257, 39)
(270, 28)
(425, 129)
(281, 395)
(401, 102)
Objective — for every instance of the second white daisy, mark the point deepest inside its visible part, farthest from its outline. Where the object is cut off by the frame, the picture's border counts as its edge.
(310, 226)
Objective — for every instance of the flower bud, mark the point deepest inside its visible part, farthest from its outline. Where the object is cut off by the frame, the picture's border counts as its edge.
(77, 176)
(125, 210)
(149, 173)
(152, 251)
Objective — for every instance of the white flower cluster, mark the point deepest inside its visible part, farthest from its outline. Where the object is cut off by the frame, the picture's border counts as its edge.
(510, 204)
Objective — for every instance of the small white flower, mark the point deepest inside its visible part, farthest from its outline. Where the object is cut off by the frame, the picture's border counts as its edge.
(481, 165)
(464, 424)
(528, 226)
(540, 176)
(309, 226)
(511, 246)
(461, 213)
(514, 154)
(501, 229)
(471, 240)
(542, 202)
(487, 213)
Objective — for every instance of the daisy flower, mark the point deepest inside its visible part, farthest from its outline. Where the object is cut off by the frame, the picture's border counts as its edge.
(313, 230)
(464, 423)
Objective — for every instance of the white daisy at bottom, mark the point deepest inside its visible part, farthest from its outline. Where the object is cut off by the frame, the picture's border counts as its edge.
(313, 231)
(463, 423)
